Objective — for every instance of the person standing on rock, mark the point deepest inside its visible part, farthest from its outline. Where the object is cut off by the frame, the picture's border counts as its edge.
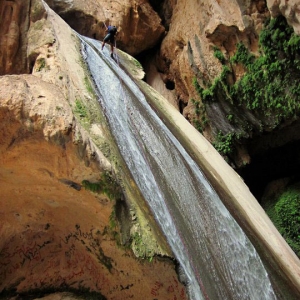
(112, 32)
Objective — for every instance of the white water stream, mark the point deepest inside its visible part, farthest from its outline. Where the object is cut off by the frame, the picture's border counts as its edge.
(218, 259)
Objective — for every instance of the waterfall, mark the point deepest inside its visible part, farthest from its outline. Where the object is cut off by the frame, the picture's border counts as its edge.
(218, 259)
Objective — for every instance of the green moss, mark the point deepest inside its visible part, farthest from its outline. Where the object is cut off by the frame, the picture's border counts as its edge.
(80, 109)
(285, 214)
(242, 56)
(140, 248)
(106, 185)
(88, 86)
(41, 64)
(137, 63)
(200, 120)
(272, 82)
(219, 55)
(212, 93)
(269, 88)
(224, 143)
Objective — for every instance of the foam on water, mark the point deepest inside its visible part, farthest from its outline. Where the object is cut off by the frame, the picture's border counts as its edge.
(218, 259)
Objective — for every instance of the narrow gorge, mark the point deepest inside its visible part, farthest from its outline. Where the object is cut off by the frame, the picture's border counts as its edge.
(76, 215)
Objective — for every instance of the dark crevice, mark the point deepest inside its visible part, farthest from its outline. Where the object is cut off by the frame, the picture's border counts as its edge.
(83, 24)
(164, 9)
(144, 57)
(277, 163)
(170, 85)
(181, 106)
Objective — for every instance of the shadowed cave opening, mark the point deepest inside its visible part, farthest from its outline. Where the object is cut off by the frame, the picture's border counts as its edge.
(274, 164)
(170, 85)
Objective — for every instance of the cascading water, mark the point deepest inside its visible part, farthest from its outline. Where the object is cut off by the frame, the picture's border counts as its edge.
(218, 259)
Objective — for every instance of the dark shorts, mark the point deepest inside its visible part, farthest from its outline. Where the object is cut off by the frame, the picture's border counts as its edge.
(109, 38)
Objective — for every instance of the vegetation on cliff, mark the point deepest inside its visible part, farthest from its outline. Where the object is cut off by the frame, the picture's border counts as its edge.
(269, 89)
(271, 82)
(106, 185)
(284, 211)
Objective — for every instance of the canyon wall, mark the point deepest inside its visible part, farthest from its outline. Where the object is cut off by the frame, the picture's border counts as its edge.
(53, 136)
(176, 42)
(58, 237)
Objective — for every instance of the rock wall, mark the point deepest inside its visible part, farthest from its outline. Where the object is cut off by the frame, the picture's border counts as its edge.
(195, 30)
(138, 24)
(187, 51)
(48, 148)
(56, 236)
(175, 42)
(289, 9)
(14, 24)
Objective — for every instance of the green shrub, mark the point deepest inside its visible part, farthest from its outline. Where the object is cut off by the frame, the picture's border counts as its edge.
(287, 210)
(224, 143)
(212, 93)
(272, 81)
(242, 56)
(219, 55)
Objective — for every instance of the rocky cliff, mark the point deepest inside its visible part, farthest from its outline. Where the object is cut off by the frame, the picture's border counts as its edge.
(62, 205)
(54, 138)
(191, 53)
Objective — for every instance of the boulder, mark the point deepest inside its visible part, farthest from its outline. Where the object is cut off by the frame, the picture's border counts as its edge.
(138, 24)
(289, 9)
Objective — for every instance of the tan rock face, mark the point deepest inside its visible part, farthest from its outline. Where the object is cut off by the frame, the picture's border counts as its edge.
(187, 50)
(14, 24)
(289, 9)
(138, 24)
(55, 235)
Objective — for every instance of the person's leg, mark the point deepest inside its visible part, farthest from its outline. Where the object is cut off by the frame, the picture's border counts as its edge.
(112, 43)
(105, 40)
(112, 51)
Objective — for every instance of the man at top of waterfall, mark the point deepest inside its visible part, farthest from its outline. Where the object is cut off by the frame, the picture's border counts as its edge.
(112, 32)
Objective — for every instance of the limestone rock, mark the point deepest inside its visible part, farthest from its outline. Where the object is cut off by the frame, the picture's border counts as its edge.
(289, 9)
(138, 24)
(55, 235)
(187, 50)
(14, 24)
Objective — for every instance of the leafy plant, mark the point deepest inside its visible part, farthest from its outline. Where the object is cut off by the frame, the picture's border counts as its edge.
(270, 86)
(230, 118)
(242, 56)
(219, 55)
(224, 143)
(212, 93)
(272, 81)
(285, 214)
